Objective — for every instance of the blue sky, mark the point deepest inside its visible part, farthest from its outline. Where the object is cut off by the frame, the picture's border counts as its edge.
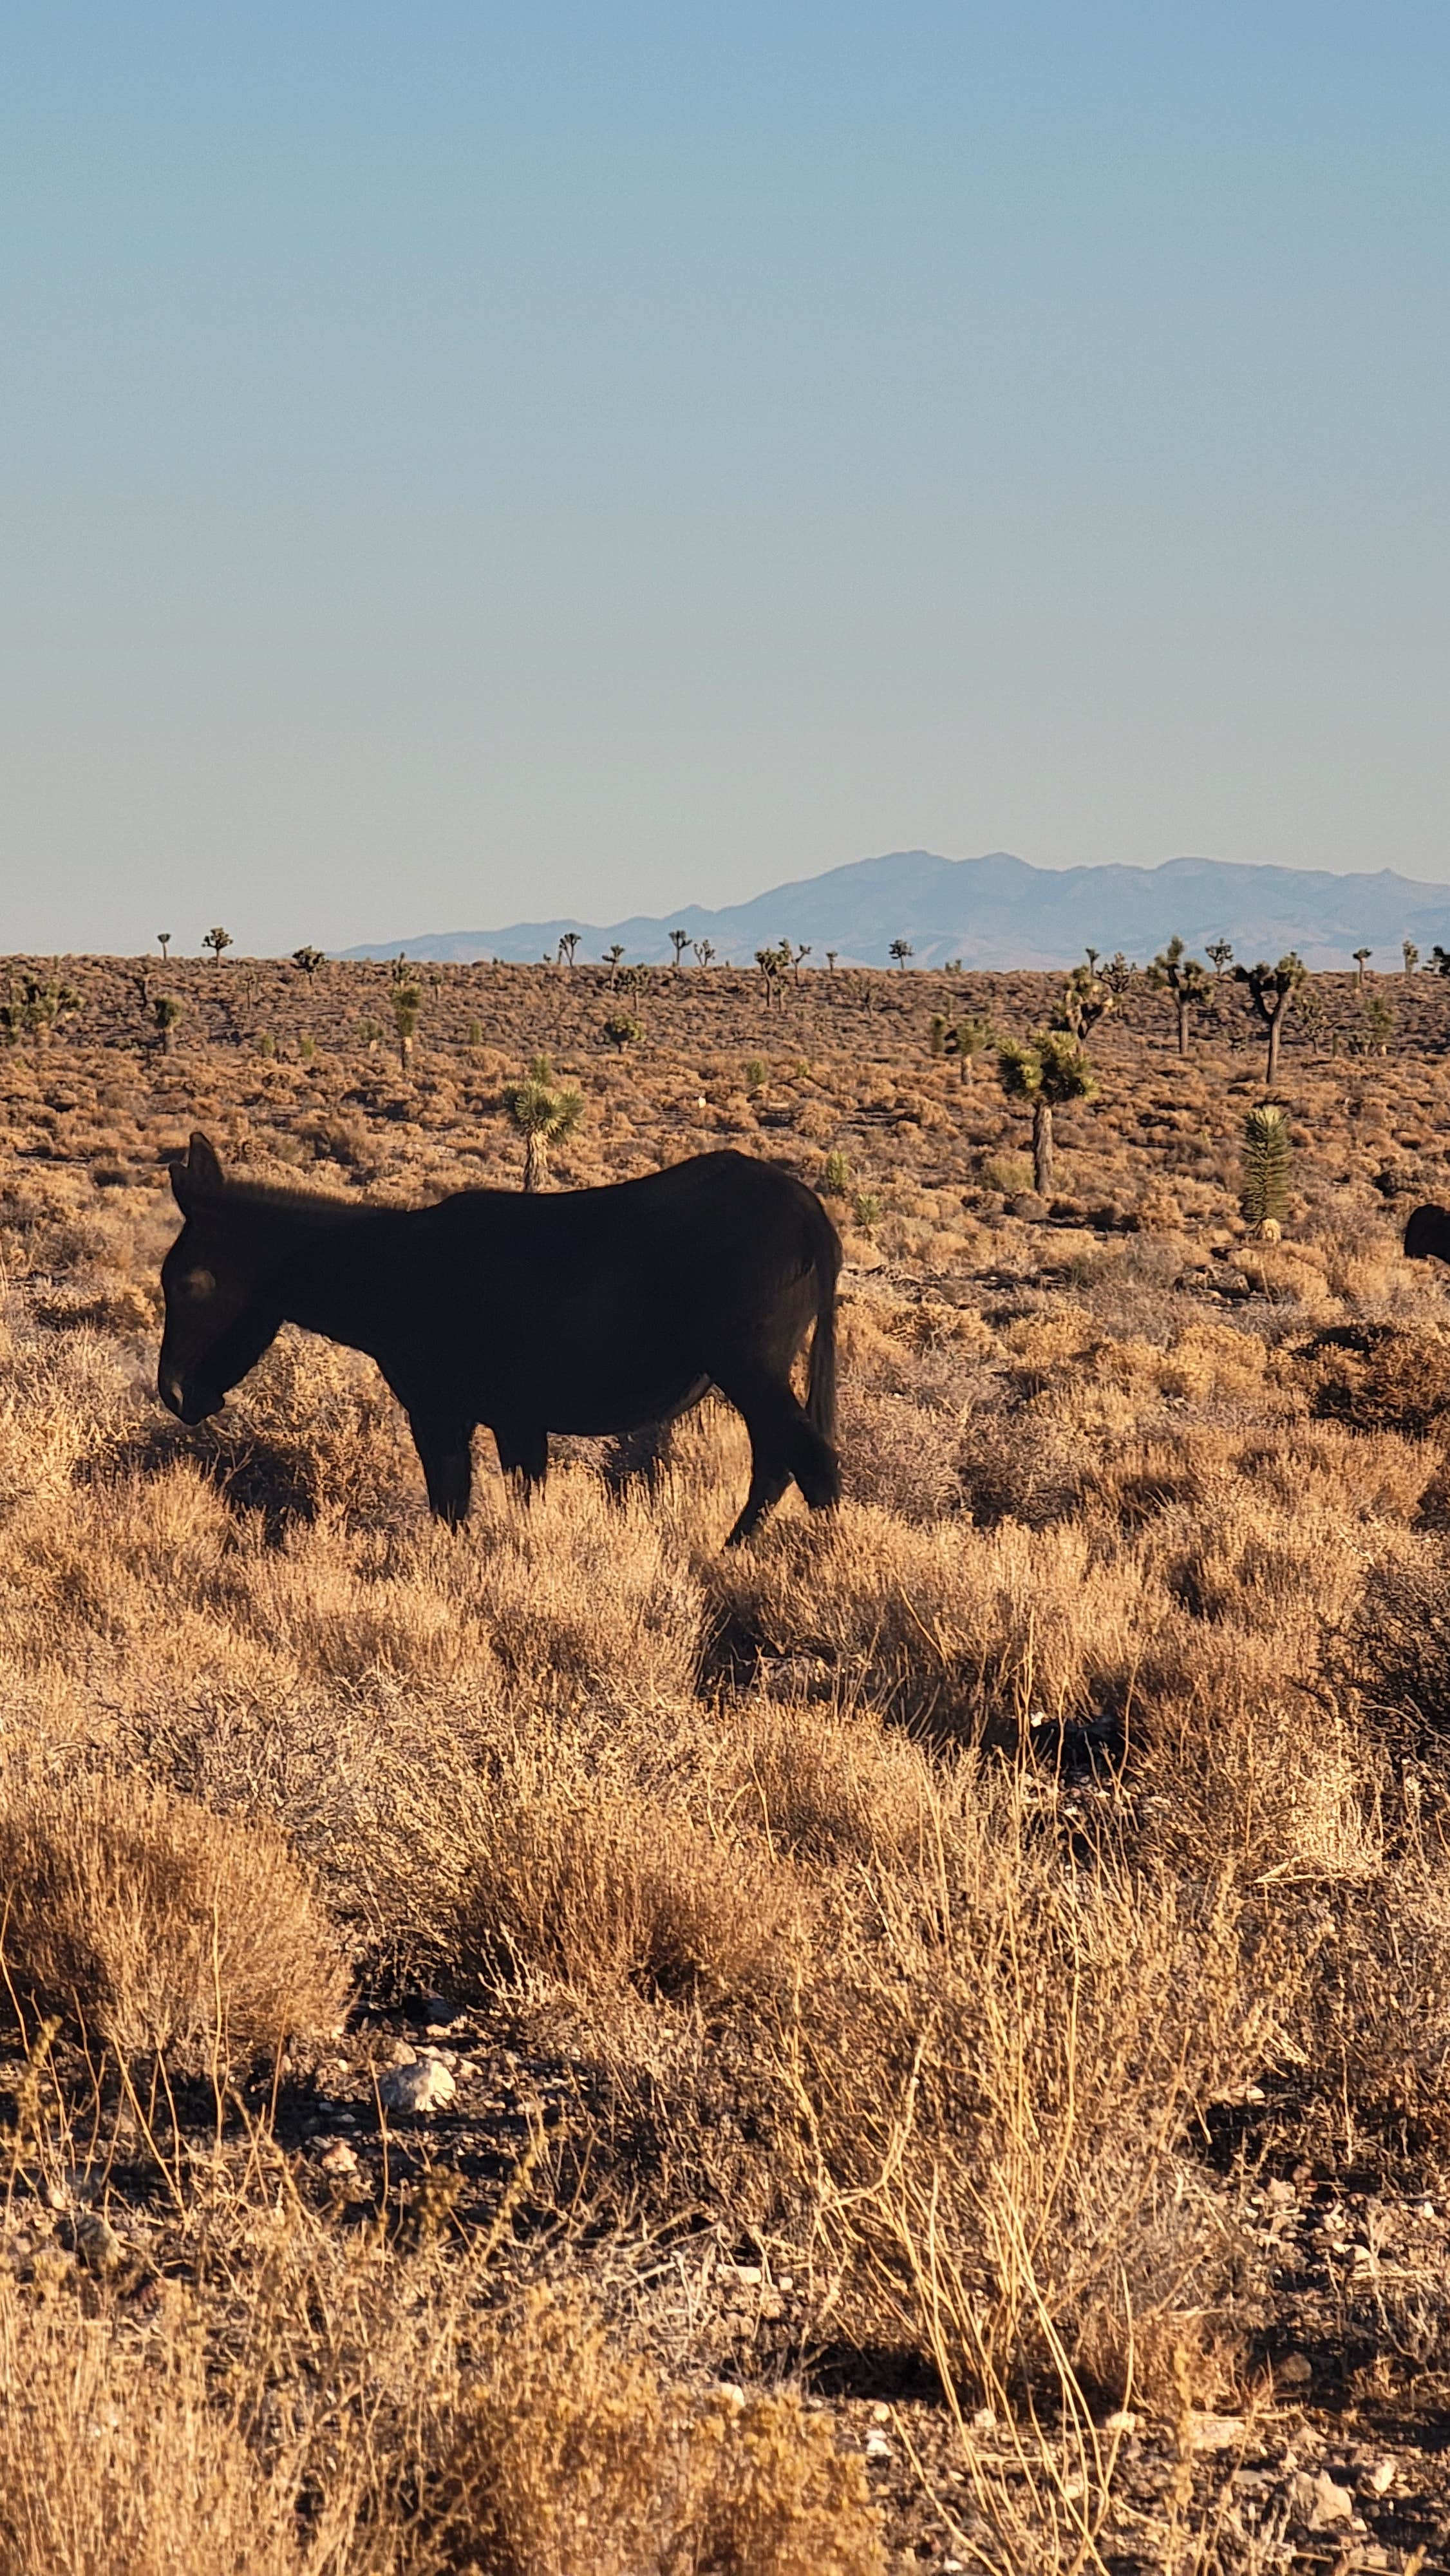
(461, 463)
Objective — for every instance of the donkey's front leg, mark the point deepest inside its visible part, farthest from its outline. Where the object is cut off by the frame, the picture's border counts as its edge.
(444, 1446)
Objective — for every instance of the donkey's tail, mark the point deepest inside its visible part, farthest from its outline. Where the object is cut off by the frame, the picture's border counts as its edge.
(821, 1376)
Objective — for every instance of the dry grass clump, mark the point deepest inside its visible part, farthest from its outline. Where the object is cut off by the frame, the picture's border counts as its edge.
(996, 2091)
(151, 1926)
(571, 2459)
(602, 1886)
(335, 2429)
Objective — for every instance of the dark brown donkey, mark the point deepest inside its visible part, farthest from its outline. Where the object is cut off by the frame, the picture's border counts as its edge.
(593, 1311)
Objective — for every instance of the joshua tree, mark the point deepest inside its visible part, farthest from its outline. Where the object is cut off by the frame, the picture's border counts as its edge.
(307, 961)
(1086, 999)
(704, 951)
(1362, 957)
(1264, 1178)
(407, 1002)
(679, 941)
(568, 942)
(1410, 954)
(163, 942)
(44, 1006)
(166, 1011)
(772, 963)
(1184, 978)
(831, 956)
(835, 1177)
(622, 1031)
(1440, 959)
(1092, 955)
(799, 960)
(1117, 974)
(964, 1039)
(1049, 1070)
(1220, 954)
(612, 959)
(543, 1115)
(899, 951)
(216, 940)
(1379, 1023)
(1271, 990)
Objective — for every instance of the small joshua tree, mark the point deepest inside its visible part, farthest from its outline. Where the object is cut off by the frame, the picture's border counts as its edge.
(543, 1115)
(613, 959)
(679, 941)
(1271, 990)
(704, 951)
(1440, 959)
(1118, 974)
(1049, 1071)
(307, 961)
(1264, 1176)
(1410, 954)
(47, 1004)
(568, 942)
(1220, 954)
(831, 956)
(1086, 999)
(623, 1030)
(836, 1177)
(1184, 978)
(1362, 957)
(163, 942)
(216, 940)
(165, 1012)
(963, 1039)
(899, 951)
(407, 1002)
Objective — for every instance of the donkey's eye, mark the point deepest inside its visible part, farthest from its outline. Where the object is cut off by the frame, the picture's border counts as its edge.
(198, 1284)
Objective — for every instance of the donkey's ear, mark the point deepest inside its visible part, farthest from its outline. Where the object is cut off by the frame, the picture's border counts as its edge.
(203, 1170)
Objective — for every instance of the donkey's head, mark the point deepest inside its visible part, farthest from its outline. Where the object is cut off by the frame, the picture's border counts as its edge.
(208, 1281)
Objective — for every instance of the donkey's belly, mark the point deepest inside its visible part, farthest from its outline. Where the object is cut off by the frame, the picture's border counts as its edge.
(625, 1409)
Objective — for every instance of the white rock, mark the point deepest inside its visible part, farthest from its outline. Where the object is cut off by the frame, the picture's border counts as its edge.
(400, 2054)
(1122, 2422)
(877, 2447)
(339, 2158)
(1318, 2501)
(1382, 2476)
(1214, 2432)
(424, 2086)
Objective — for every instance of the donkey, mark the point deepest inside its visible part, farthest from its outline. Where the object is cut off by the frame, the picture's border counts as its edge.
(591, 1311)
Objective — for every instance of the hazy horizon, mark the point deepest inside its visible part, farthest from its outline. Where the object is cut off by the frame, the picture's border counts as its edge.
(466, 466)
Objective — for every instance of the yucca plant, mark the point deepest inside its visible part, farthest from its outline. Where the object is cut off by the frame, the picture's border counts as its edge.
(1267, 1161)
(543, 1115)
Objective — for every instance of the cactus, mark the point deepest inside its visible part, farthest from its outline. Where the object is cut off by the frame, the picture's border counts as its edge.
(835, 1177)
(1267, 1158)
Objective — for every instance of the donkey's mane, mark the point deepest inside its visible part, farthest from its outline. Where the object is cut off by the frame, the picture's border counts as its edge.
(280, 1200)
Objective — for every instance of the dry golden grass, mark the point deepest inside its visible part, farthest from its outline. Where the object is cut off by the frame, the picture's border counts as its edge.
(957, 1905)
(152, 1928)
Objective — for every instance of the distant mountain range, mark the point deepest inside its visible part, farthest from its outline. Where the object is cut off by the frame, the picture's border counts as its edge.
(999, 912)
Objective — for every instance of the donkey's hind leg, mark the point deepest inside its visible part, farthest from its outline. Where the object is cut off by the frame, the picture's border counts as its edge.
(784, 1443)
(444, 1447)
(523, 1456)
